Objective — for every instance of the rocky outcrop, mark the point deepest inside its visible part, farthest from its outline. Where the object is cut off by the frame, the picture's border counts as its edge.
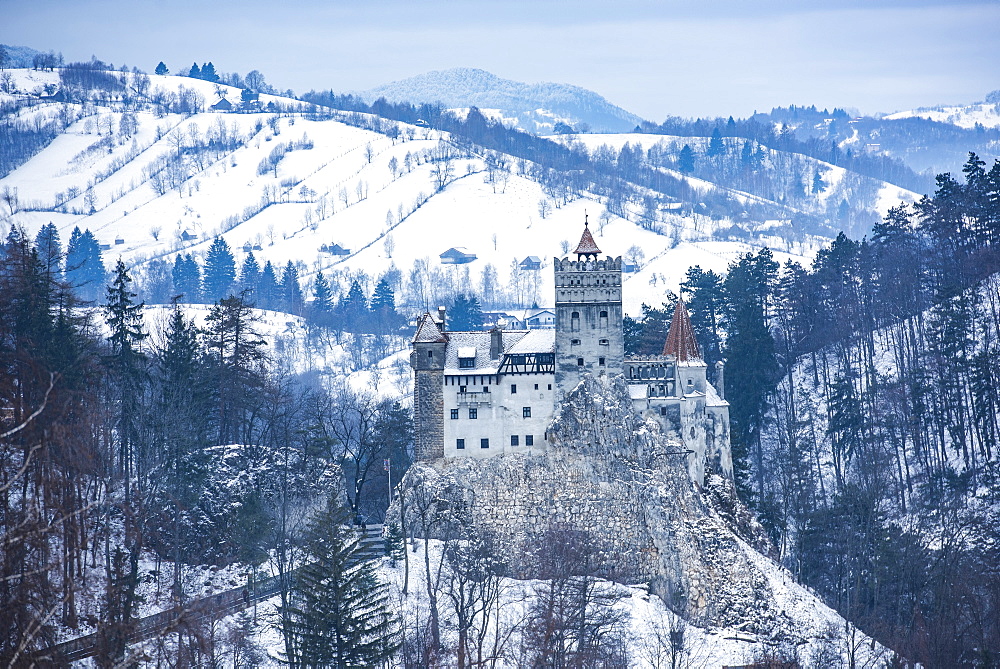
(620, 480)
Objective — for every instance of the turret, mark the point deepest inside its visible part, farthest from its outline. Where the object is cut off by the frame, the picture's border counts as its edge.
(427, 360)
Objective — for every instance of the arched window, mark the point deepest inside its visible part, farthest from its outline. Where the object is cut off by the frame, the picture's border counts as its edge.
(604, 320)
(574, 321)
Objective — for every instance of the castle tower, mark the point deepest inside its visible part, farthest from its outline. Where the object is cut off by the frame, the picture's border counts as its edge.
(682, 344)
(588, 315)
(427, 360)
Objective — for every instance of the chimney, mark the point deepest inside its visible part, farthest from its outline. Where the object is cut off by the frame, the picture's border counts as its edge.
(496, 343)
(441, 318)
(720, 378)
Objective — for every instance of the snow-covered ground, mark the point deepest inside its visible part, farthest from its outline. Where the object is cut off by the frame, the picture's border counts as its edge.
(964, 116)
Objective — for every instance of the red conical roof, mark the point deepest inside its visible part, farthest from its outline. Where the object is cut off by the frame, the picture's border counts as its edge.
(681, 342)
(428, 332)
(587, 245)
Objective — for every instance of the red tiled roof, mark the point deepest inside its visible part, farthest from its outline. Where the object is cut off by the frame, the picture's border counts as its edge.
(587, 245)
(681, 342)
(428, 332)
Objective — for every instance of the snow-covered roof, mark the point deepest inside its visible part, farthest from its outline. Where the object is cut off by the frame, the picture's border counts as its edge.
(476, 345)
(535, 341)
(466, 351)
(428, 331)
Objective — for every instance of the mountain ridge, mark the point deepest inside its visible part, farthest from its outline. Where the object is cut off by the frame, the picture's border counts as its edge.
(462, 87)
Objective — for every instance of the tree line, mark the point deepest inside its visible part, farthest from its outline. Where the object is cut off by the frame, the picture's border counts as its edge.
(864, 414)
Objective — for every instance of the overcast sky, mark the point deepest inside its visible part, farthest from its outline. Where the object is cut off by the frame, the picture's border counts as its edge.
(655, 58)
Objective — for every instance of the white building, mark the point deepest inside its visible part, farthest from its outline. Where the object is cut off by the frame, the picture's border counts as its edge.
(479, 394)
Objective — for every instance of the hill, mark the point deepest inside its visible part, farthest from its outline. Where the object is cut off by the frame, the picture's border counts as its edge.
(533, 107)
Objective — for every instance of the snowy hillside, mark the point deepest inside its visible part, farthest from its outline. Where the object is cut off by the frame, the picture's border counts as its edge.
(986, 114)
(536, 107)
(285, 186)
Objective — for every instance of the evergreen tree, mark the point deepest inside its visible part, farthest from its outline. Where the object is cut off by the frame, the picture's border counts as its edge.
(383, 299)
(220, 271)
(353, 308)
(195, 71)
(338, 614)
(127, 365)
(685, 163)
(716, 147)
(818, 184)
(267, 288)
(250, 278)
(186, 275)
(208, 72)
(85, 270)
(290, 290)
(321, 308)
(161, 69)
(465, 314)
(751, 369)
(50, 250)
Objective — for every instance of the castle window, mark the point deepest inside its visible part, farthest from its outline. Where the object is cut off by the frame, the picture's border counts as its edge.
(579, 362)
(473, 414)
(430, 354)
(454, 414)
(466, 363)
(526, 412)
(529, 440)
(604, 342)
(460, 444)
(550, 386)
(486, 389)
(514, 440)
(574, 342)
(513, 389)
(484, 443)
(600, 361)
(604, 320)
(536, 386)
(663, 411)
(574, 321)
(461, 389)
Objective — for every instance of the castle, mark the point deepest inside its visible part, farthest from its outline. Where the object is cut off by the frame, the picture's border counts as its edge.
(479, 394)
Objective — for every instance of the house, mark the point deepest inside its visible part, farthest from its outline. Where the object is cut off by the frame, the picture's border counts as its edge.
(502, 320)
(335, 250)
(630, 267)
(531, 263)
(186, 236)
(539, 318)
(222, 105)
(457, 256)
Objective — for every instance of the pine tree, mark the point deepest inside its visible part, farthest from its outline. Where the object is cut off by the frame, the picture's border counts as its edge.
(208, 72)
(127, 365)
(186, 275)
(705, 304)
(85, 270)
(220, 271)
(383, 299)
(321, 308)
(195, 71)
(267, 288)
(290, 290)
(338, 613)
(250, 278)
(50, 250)
(685, 163)
(161, 69)
(715, 145)
(353, 308)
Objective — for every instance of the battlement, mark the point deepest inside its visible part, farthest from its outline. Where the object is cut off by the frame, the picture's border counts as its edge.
(609, 264)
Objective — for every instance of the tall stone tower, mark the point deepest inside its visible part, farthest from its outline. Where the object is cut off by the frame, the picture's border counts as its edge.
(427, 360)
(588, 315)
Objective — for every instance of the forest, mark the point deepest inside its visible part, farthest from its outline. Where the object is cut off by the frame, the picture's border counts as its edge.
(864, 414)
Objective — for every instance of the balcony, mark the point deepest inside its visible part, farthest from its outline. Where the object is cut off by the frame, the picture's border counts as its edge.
(475, 399)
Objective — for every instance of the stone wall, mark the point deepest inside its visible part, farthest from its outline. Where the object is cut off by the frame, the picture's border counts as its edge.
(428, 415)
(615, 477)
